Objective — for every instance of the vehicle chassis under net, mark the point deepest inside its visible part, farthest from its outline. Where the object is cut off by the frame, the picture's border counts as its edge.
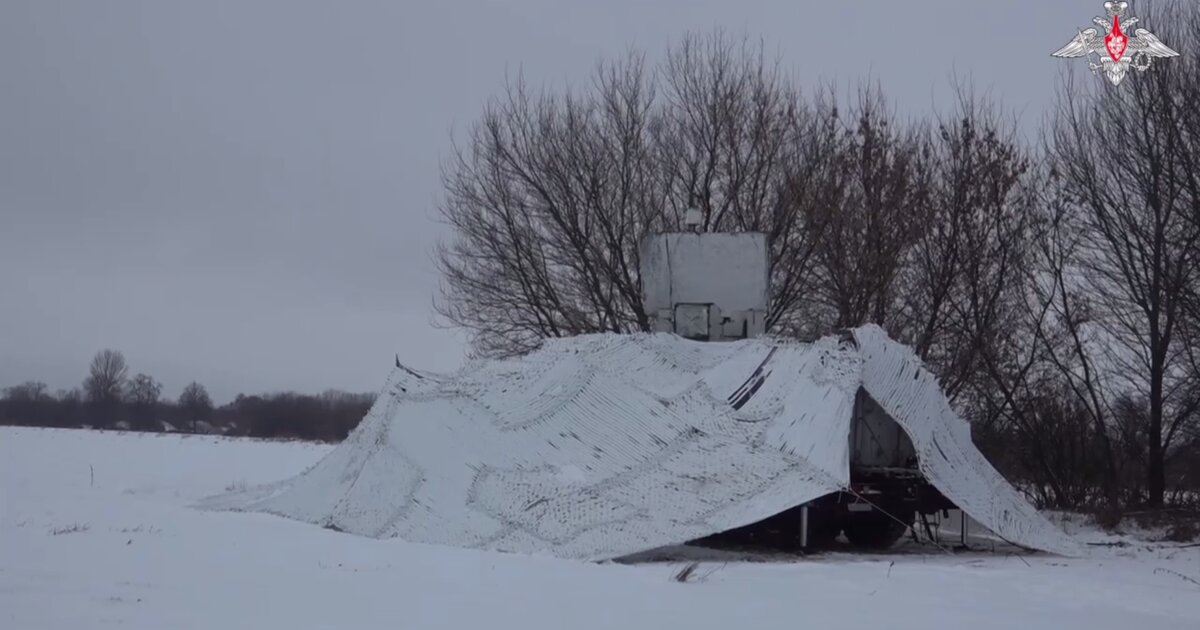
(874, 512)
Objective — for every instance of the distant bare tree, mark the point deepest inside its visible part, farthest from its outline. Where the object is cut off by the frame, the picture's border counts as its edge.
(25, 403)
(195, 403)
(923, 228)
(142, 395)
(1063, 359)
(104, 386)
(962, 290)
(1128, 162)
(872, 207)
(330, 416)
(1186, 17)
(70, 406)
(27, 391)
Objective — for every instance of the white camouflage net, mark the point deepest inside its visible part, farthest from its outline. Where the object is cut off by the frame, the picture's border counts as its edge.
(600, 446)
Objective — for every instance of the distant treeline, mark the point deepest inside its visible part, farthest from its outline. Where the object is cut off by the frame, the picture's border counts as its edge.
(111, 399)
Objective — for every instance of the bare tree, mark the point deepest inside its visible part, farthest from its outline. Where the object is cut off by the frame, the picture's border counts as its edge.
(923, 228)
(70, 405)
(197, 406)
(27, 391)
(104, 386)
(874, 196)
(142, 395)
(25, 403)
(1065, 340)
(1128, 162)
(961, 292)
(106, 377)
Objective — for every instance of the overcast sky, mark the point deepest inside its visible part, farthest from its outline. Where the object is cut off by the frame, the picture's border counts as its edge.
(243, 192)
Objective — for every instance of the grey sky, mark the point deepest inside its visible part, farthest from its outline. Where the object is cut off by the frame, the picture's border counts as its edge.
(242, 192)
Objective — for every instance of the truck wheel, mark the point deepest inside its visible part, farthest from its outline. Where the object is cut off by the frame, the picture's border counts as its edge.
(876, 532)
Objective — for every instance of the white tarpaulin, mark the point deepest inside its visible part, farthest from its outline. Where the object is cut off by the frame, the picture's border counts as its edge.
(600, 446)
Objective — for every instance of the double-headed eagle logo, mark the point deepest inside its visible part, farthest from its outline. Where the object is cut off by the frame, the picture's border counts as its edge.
(1117, 51)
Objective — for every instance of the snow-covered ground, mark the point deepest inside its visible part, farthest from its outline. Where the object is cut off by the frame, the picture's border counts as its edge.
(97, 530)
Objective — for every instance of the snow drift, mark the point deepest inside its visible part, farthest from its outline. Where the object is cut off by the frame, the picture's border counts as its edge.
(600, 446)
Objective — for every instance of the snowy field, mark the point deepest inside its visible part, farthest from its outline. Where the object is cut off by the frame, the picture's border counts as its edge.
(97, 531)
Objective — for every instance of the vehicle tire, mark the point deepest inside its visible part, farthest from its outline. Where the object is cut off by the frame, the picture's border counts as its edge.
(876, 531)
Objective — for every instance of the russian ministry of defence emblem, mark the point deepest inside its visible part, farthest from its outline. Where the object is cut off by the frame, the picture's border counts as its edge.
(1116, 51)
